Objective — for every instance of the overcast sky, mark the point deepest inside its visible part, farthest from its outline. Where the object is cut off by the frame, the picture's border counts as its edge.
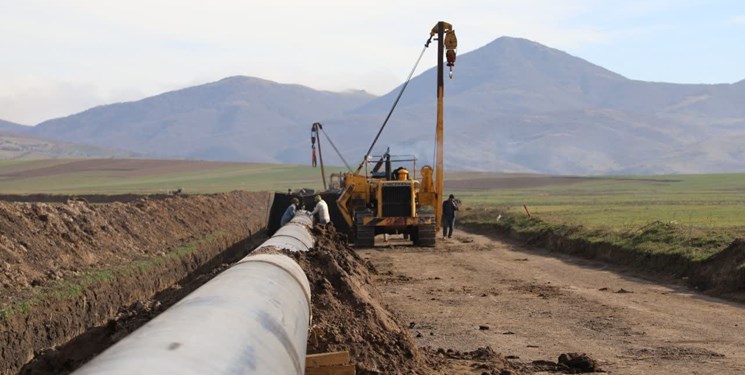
(59, 57)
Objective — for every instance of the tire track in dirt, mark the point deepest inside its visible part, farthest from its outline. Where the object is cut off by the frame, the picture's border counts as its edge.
(531, 306)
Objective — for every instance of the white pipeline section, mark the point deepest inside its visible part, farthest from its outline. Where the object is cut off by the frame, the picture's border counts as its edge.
(252, 318)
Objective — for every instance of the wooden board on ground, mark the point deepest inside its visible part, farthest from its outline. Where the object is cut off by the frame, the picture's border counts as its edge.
(336, 363)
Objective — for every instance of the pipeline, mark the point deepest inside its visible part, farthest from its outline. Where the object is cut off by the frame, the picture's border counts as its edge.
(253, 318)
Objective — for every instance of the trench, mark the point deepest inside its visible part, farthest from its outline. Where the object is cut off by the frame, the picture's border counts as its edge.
(59, 335)
(59, 325)
(189, 274)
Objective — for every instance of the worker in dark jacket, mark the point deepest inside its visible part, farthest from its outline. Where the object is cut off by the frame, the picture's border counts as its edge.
(289, 212)
(448, 215)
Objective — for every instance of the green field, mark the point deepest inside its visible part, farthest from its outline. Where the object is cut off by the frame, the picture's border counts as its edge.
(697, 215)
(708, 201)
(56, 177)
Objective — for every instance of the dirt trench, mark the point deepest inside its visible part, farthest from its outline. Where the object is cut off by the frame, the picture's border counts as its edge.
(76, 277)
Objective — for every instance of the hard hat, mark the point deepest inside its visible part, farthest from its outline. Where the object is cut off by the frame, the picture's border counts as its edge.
(317, 198)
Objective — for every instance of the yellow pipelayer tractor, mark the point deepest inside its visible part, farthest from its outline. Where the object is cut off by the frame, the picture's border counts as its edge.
(388, 202)
(392, 202)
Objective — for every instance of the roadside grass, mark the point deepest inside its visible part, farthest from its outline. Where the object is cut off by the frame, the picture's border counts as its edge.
(694, 216)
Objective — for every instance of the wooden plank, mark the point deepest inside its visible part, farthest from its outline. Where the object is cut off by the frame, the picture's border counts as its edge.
(331, 370)
(327, 359)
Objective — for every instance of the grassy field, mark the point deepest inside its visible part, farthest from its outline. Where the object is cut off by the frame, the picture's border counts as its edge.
(711, 201)
(669, 224)
(697, 215)
(117, 177)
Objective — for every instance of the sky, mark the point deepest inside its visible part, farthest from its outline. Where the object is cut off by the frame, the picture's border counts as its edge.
(60, 57)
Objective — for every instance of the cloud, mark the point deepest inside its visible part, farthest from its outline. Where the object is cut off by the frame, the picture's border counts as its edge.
(30, 100)
(325, 44)
(738, 20)
(146, 46)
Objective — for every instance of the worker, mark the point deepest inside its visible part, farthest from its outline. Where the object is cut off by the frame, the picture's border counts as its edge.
(395, 174)
(322, 209)
(448, 215)
(290, 212)
(401, 173)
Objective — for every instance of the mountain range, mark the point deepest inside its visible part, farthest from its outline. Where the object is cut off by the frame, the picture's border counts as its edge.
(7, 126)
(513, 105)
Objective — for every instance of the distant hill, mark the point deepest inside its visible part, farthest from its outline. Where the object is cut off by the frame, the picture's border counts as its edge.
(514, 105)
(11, 127)
(235, 119)
(20, 146)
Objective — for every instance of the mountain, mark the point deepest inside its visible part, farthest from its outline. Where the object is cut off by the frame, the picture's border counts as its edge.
(17, 143)
(21, 146)
(514, 105)
(237, 118)
(11, 127)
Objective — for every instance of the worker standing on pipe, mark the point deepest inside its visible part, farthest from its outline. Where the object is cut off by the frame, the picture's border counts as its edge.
(322, 210)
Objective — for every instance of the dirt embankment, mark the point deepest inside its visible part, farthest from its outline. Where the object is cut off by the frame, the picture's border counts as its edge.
(76, 270)
(90, 198)
(722, 275)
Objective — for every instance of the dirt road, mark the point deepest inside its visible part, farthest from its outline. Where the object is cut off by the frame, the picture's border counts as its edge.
(472, 291)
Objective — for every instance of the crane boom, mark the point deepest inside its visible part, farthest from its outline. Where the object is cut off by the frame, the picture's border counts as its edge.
(443, 41)
(391, 202)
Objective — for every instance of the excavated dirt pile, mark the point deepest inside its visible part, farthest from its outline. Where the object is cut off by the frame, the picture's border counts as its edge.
(724, 272)
(348, 315)
(71, 271)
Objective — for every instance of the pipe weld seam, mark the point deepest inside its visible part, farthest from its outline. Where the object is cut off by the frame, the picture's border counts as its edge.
(307, 247)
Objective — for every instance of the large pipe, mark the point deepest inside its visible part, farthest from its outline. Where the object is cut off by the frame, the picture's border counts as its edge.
(252, 318)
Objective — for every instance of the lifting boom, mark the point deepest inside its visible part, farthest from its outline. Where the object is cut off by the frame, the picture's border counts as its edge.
(393, 202)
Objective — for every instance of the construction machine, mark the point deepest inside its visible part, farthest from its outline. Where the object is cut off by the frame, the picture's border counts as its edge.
(379, 200)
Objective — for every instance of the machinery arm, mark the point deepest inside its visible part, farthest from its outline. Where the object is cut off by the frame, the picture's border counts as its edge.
(315, 135)
(445, 39)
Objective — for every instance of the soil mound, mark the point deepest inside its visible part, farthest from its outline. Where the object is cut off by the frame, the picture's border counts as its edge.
(569, 363)
(483, 360)
(723, 271)
(348, 315)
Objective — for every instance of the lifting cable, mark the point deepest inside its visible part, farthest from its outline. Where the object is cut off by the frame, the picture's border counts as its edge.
(367, 154)
(335, 149)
